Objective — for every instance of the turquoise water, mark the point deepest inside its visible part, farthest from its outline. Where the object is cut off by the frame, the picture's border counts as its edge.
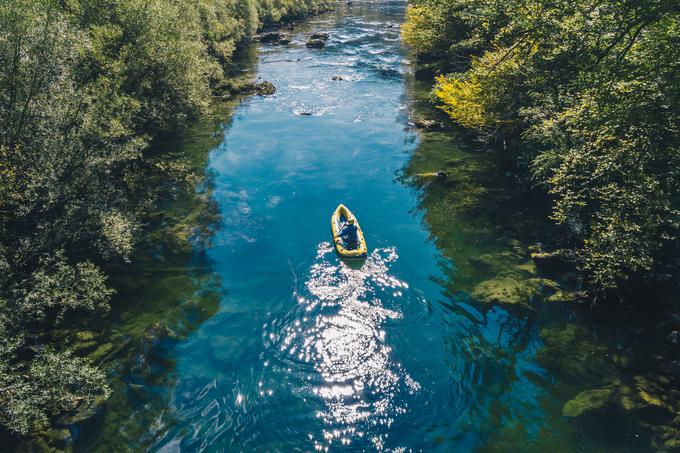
(304, 351)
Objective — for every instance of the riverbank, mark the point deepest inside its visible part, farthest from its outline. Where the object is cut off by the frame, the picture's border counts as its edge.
(93, 194)
(609, 362)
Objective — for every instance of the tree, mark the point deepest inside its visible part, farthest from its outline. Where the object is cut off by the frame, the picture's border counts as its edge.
(588, 92)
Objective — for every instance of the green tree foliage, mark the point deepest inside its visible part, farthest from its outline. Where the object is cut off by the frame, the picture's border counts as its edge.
(589, 93)
(84, 84)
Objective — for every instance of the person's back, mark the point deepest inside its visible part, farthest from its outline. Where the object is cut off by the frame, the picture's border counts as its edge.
(349, 233)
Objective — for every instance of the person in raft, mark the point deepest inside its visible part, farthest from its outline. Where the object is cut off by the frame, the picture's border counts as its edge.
(349, 233)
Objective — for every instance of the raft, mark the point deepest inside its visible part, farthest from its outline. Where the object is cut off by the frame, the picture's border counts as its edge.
(340, 215)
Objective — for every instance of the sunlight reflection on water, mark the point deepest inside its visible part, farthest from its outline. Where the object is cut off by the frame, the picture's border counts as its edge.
(337, 331)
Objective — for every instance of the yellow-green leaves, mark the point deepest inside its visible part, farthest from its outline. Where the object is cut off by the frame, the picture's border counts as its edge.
(463, 100)
(480, 97)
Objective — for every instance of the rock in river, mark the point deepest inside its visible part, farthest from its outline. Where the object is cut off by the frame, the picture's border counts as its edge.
(273, 37)
(508, 290)
(232, 87)
(321, 36)
(265, 88)
(316, 43)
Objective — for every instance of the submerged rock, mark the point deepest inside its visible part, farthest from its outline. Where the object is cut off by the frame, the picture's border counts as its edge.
(284, 41)
(101, 352)
(156, 332)
(587, 401)
(316, 44)
(641, 395)
(508, 290)
(153, 337)
(337, 77)
(504, 264)
(85, 335)
(572, 352)
(140, 391)
(84, 347)
(52, 440)
(561, 297)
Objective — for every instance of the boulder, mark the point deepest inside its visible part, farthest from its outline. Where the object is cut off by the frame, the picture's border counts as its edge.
(284, 41)
(272, 37)
(320, 36)
(229, 87)
(316, 43)
(337, 77)
(265, 88)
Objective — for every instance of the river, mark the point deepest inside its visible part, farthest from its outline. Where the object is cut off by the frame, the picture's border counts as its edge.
(282, 346)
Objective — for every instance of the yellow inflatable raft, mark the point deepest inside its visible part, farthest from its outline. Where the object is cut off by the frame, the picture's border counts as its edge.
(340, 216)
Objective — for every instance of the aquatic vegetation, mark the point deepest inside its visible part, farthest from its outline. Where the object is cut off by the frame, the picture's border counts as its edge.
(603, 377)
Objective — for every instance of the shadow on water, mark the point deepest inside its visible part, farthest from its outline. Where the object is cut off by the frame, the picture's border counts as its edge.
(558, 377)
(166, 292)
(354, 263)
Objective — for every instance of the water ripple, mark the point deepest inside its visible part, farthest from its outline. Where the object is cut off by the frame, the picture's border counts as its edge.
(336, 348)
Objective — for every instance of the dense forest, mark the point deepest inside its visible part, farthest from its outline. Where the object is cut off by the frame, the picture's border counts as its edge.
(84, 86)
(584, 97)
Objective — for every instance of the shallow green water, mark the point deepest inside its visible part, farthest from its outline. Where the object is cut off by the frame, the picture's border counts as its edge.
(281, 346)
